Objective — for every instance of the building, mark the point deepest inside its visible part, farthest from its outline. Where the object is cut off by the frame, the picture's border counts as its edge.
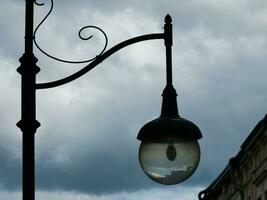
(245, 176)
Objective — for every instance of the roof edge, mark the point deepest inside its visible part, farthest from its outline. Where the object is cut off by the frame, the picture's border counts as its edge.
(225, 174)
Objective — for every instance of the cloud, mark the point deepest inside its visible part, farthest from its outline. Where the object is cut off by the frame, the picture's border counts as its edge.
(87, 142)
(183, 193)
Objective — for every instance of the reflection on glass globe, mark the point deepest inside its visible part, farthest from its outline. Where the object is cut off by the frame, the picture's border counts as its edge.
(169, 163)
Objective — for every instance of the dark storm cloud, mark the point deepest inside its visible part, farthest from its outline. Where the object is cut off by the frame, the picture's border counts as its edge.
(10, 176)
(87, 141)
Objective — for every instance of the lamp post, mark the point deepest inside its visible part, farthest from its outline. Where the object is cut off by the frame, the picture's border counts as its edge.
(168, 143)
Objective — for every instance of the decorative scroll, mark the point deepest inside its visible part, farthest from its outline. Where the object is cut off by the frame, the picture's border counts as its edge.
(38, 4)
(99, 59)
(79, 34)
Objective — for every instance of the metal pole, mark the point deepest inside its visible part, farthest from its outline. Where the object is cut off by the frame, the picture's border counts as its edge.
(28, 123)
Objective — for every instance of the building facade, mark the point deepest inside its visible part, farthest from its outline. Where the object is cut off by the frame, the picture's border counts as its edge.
(245, 176)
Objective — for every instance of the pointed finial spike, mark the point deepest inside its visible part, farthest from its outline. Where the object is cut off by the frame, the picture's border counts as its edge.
(168, 19)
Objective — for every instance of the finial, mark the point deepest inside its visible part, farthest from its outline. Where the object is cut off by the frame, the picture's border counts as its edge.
(168, 19)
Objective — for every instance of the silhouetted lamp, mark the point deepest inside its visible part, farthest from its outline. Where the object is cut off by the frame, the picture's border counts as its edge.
(169, 152)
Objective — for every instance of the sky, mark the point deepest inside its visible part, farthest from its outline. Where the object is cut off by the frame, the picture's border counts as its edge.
(86, 147)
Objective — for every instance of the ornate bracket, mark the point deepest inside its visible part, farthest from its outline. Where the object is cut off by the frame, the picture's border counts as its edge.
(93, 62)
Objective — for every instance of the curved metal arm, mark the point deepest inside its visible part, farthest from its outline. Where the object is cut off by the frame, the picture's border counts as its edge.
(99, 59)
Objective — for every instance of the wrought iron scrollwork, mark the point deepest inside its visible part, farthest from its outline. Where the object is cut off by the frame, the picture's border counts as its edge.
(79, 34)
(38, 4)
(93, 62)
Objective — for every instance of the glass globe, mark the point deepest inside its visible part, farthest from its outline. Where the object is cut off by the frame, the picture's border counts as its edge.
(169, 163)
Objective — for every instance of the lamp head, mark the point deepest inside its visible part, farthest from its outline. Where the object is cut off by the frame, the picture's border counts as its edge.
(169, 152)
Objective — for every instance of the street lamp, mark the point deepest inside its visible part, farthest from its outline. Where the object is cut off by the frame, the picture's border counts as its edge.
(169, 152)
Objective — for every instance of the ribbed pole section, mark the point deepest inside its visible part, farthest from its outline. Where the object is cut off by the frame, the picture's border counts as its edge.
(28, 123)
